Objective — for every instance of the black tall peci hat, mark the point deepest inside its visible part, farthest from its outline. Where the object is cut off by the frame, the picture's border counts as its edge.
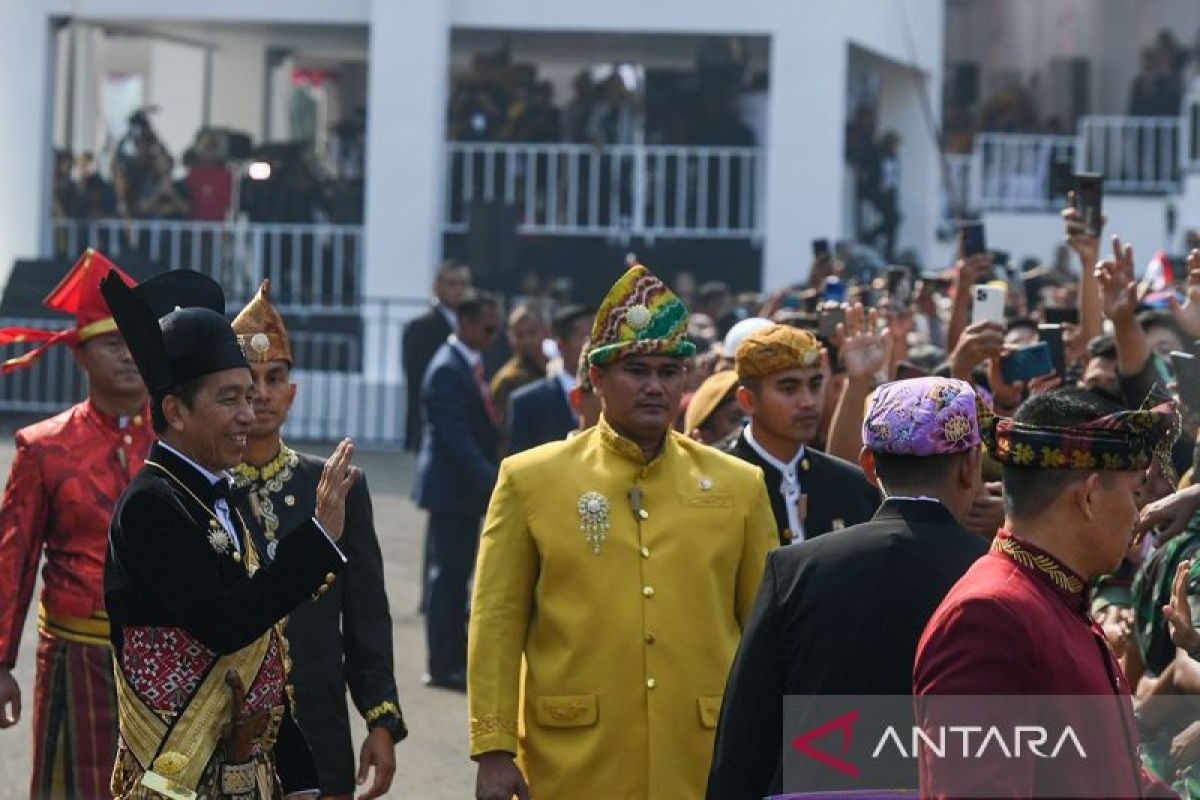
(174, 325)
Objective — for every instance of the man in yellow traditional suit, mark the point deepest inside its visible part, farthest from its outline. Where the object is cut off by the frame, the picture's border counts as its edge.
(622, 565)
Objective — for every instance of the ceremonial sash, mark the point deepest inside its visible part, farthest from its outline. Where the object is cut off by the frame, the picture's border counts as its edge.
(175, 754)
(78, 630)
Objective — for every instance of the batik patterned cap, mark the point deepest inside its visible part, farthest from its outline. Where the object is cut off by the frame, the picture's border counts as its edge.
(639, 316)
(775, 349)
(923, 417)
(1125, 440)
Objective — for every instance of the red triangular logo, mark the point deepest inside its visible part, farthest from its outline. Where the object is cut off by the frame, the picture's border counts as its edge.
(844, 723)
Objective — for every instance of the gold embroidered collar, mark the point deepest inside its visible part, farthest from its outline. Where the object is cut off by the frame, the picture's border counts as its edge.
(251, 474)
(1054, 571)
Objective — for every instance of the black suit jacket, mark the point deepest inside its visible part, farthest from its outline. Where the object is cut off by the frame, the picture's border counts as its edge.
(160, 570)
(422, 338)
(840, 614)
(537, 414)
(342, 638)
(835, 488)
(456, 468)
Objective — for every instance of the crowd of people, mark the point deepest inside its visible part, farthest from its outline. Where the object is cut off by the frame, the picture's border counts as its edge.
(666, 513)
(716, 103)
(851, 393)
(1167, 72)
(210, 181)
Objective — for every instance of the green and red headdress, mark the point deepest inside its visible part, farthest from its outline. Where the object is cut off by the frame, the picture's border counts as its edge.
(639, 316)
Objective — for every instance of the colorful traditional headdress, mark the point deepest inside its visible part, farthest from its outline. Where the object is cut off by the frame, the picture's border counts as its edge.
(261, 331)
(775, 349)
(923, 417)
(77, 293)
(1125, 440)
(639, 316)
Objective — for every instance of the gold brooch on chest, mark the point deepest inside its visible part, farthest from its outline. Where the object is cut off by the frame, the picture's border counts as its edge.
(593, 518)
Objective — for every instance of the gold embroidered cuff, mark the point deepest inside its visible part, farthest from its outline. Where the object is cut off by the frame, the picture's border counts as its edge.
(492, 723)
(384, 708)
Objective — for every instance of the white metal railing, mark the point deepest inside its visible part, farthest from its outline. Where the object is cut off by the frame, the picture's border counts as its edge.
(337, 352)
(618, 191)
(1135, 154)
(1012, 171)
(1190, 135)
(309, 265)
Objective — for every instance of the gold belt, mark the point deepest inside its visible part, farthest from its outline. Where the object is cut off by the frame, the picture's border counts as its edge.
(80, 630)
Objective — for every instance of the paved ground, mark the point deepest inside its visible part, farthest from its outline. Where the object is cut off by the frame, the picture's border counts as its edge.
(432, 762)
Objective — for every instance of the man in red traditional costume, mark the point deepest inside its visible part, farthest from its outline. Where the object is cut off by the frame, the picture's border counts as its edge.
(66, 477)
(1016, 625)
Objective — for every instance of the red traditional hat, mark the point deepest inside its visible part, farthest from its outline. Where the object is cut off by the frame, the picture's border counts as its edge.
(78, 293)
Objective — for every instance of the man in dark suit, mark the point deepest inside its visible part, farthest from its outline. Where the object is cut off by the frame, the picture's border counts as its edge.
(343, 638)
(186, 592)
(541, 412)
(783, 392)
(814, 629)
(425, 334)
(456, 470)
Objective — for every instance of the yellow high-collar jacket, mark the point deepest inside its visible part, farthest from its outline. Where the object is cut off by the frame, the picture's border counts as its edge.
(627, 639)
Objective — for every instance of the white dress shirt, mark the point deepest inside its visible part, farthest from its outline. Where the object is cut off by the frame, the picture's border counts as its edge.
(789, 487)
(222, 508)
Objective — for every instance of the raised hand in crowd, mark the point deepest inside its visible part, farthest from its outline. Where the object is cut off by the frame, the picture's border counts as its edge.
(1118, 285)
(1087, 247)
(1119, 301)
(1187, 313)
(1179, 613)
(865, 351)
(967, 272)
(979, 342)
(1167, 517)
(863, 346)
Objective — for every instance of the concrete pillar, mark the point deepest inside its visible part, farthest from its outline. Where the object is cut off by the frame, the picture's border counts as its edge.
(409, 58)
(804, 166)
(406, 101)
(27, 92)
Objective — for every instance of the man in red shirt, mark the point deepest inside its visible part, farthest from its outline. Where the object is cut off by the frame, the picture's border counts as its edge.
(66, 476)
(1017, 623)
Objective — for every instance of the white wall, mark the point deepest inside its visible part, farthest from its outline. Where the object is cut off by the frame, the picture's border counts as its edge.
(1140, 221)
(239, 85)
(176, 87)
(26, 86)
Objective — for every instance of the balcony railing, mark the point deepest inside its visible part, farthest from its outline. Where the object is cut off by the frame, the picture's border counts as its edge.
(1014, 170)
(347, 368)
(1017, 172)
(644, 191)
(309, 265)
(1136, 154)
